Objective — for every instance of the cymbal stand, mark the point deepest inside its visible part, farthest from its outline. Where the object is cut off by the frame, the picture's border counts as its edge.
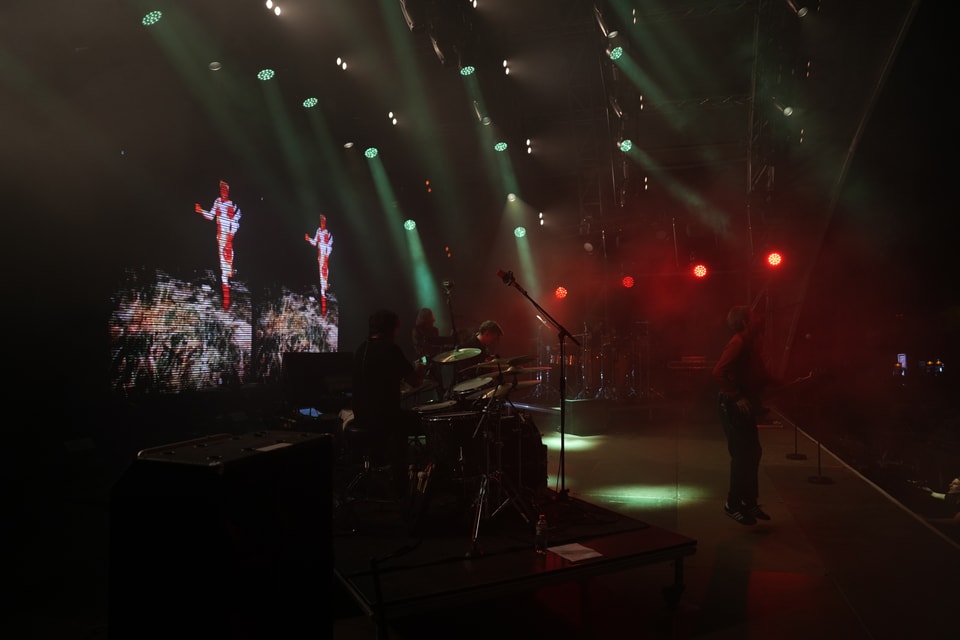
(586, 367)
(603, 391)
(544, 391)
(448, 292)
(505, 489)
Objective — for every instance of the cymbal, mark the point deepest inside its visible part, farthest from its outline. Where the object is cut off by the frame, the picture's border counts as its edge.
(526, 384)
(494, 363)
(456, 355)
(495, 392)
(509, 362)
(406, 389)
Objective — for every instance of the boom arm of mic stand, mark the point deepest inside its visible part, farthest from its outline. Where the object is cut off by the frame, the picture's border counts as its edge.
(562, 335)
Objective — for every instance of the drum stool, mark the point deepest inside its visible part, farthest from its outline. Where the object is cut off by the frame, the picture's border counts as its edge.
(373, 479)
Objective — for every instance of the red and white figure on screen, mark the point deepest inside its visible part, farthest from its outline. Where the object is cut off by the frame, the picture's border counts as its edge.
(227, 216)
(323, 241)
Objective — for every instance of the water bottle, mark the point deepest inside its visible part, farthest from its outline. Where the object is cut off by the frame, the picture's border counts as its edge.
(540, 535)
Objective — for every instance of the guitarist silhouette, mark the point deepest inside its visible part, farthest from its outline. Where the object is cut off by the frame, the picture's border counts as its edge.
(743, 376)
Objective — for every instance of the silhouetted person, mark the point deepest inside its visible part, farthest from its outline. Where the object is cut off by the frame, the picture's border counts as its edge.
(379, 366)
(951, 499)
(743, 376)
(487, 339)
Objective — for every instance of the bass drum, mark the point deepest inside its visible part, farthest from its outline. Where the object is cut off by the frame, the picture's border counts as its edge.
(523, 456)
(450, 442)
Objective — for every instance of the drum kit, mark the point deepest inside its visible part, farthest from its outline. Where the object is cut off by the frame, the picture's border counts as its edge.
(606, 366)
(473, 434)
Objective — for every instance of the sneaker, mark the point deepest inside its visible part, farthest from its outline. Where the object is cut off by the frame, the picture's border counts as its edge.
(740, 515)
(756, 512)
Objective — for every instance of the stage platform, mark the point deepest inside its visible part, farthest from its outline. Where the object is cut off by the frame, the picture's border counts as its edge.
(449, 563)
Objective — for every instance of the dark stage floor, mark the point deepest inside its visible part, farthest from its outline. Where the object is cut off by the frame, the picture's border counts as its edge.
(842, 557)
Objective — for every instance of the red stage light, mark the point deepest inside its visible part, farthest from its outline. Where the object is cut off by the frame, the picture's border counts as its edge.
(774, 259)
(560, 293)
(627, 282)
(700, 270)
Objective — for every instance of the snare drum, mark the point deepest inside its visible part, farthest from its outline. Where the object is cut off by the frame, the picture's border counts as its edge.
(434, 407)
(467, 388)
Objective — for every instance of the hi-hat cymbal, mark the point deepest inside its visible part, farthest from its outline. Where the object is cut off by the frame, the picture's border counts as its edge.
(495, 392)
(456, 355)
(495, 363)
(507, 362)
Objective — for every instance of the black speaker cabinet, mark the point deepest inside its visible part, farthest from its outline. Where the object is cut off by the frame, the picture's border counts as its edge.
(226, 536)
(586, 417)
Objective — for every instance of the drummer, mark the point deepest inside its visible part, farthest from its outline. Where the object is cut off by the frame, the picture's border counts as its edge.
(487, 339)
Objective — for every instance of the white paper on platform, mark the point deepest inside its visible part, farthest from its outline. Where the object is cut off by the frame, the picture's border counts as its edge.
(575, 552)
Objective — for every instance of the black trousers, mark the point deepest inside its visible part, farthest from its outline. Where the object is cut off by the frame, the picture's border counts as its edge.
(743, 443)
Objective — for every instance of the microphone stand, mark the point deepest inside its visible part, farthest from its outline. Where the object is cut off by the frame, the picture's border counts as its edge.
(453, 323)
(562, 335)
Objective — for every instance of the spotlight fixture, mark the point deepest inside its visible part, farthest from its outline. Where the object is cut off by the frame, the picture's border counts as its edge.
(800, 11)
(604, 28)
(414, 14)
(615, 105)
(786, 110)
(437, 49)
(481, 118)
(151, 18)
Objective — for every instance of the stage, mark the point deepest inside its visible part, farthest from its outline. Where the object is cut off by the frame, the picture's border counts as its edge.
(392, 572)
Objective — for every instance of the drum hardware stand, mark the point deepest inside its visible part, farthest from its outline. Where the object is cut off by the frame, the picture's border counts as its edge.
(504, 485)
(586, 365)
(604, 392)
(562, 335)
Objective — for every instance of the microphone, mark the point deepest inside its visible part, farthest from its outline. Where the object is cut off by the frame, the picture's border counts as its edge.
(507, 277)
